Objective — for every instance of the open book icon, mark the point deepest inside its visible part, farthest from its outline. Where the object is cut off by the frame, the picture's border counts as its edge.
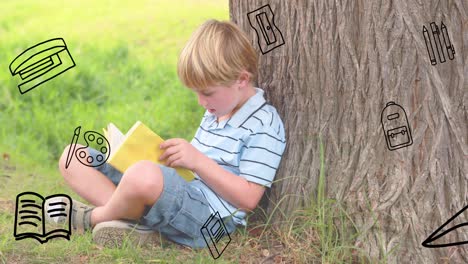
(445, 235)
(31, 215)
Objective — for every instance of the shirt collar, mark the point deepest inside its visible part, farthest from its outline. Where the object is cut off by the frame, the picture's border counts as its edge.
(251, 106)
(254, 103)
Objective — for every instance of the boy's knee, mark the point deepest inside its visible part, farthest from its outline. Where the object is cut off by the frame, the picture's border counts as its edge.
(145, 177)
(63, 158)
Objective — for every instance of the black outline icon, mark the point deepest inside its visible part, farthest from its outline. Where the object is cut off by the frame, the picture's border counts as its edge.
(41, 62)
(81, 155)
(433, 237)
(427, 39)
(393, 128)
(72, 148)
(438, 44)
(264, 21)
(42, 237)
(448, 44)
(450, 49)
(215, 235)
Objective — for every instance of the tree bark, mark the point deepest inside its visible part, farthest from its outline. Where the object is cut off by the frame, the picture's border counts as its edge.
(341, 63)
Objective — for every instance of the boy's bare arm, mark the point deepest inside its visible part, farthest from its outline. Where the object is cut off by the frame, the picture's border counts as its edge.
(234, 189)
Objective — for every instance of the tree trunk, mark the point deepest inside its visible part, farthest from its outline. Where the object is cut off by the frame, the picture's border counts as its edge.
(341, 63)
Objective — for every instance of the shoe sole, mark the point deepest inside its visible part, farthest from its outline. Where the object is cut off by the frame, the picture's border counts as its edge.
(115, 233)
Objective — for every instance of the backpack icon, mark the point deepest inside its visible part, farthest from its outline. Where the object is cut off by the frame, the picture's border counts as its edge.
(396, 127)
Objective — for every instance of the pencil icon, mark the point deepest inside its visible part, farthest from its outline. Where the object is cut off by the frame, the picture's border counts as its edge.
(71, 150)
(427, 39)
(436, 36)
(448, 44)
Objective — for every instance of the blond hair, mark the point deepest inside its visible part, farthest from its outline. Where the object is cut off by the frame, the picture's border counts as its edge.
(216, 54)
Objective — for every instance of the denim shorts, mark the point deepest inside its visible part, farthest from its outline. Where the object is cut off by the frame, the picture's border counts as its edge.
(180, 211)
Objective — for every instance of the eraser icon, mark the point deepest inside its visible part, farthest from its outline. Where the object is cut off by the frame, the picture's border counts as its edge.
(395, 126)
(268, 35)
(41, 62)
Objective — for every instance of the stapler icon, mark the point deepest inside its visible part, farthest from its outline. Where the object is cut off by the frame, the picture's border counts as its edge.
(41, 63)
(395, 126)
(268, 35)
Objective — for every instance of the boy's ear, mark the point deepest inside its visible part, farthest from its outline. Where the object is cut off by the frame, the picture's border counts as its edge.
(244, 78)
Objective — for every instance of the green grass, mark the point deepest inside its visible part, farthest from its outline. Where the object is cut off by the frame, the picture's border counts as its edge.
(125, 54)
(126, 58)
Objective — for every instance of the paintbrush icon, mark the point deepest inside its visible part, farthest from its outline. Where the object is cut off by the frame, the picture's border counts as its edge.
(71, 150)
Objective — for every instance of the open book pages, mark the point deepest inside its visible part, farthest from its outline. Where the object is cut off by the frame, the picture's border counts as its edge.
(139, 143)
(114, 136)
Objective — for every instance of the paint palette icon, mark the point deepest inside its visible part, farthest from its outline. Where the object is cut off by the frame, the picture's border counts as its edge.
(82, 154)
(104, 149)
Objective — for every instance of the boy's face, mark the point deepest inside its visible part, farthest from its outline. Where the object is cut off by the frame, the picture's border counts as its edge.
(221, 101)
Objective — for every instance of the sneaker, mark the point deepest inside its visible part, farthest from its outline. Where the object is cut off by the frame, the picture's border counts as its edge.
(80, 214)
(114, 233)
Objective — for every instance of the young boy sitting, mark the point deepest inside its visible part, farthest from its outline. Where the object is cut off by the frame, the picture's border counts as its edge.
(235, 153)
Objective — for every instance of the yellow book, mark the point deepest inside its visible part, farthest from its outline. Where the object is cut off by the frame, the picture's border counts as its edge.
(140, 143)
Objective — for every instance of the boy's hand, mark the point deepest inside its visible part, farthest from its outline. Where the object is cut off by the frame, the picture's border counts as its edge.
(180, 153)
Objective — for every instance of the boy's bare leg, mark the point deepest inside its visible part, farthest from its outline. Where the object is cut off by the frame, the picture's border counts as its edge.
(140, 185)
(87, 182)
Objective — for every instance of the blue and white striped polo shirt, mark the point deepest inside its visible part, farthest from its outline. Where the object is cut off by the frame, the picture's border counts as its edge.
(249, 144)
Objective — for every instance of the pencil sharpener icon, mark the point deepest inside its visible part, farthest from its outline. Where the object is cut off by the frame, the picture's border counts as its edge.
(395, 126)
(216, 236)
(41, 63)
(268, 35)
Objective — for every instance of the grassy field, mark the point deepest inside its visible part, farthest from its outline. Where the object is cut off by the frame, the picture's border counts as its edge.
(125, 54)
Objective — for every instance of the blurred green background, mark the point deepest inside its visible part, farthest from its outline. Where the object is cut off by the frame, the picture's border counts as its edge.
(125, 53)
